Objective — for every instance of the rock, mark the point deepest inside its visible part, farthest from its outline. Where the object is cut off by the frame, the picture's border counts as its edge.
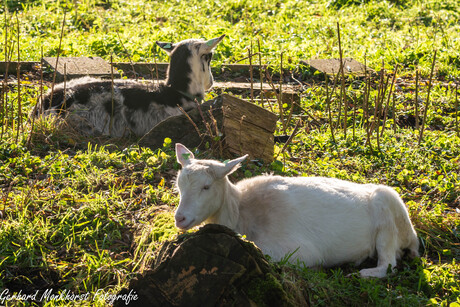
(212, 267)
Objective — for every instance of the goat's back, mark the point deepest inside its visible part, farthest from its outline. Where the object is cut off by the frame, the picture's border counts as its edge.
(128, 105)
(329, 221)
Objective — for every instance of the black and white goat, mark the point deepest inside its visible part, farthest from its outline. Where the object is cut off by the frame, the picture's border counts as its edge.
(96, 106)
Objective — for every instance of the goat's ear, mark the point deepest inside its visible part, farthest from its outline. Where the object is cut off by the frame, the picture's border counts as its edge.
(168, 47)
(212, 43)
(183, 154)
(229, 167)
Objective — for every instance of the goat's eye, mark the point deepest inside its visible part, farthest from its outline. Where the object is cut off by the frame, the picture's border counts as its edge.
(207, 57)
(206, 187)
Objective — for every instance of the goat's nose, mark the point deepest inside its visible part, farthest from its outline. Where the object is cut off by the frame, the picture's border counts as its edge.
(180, 218)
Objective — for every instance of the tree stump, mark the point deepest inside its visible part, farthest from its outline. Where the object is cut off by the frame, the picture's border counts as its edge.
(211, 267)
(227, 124)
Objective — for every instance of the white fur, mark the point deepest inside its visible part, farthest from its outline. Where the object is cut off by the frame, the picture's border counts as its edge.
(325, 221)
(200, 81)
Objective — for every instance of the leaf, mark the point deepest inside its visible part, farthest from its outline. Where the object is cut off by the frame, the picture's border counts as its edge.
(82, 224)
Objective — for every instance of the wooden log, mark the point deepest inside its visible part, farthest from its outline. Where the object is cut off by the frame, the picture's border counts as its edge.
(226, 124)
(182, 128)
(248, 128)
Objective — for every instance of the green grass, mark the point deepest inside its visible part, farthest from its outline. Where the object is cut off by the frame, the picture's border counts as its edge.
(404, 32)
(81, 216)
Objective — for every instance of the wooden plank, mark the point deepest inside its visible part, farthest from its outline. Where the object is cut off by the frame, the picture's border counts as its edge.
(332, 66)
(143, 69)
(13, 67)
(238, 130)
(236, 108)
(248, 128)
(244, 138)
(229, 85)
(146, 70)
(76, 67)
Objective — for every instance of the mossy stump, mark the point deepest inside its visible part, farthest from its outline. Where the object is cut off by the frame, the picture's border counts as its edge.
(212, 267)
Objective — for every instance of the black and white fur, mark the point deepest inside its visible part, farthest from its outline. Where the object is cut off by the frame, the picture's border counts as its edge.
(95, 107)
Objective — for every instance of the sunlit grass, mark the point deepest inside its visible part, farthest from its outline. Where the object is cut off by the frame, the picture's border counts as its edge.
(397, 32)
(87, 214)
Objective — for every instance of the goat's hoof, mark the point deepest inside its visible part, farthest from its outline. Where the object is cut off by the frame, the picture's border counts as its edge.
(374, 272)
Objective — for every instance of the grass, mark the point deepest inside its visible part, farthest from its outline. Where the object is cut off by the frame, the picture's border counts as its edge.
(81, 216)
(399, 32)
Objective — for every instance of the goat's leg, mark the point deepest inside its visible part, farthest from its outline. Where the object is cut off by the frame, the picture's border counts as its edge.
(386, 246)
(384, 209)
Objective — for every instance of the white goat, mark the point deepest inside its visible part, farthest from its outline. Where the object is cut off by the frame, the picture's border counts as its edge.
(323, 221)
(117, 108)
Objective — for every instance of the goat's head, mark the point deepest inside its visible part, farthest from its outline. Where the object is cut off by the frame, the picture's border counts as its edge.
(189, 69)
(202, 186)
